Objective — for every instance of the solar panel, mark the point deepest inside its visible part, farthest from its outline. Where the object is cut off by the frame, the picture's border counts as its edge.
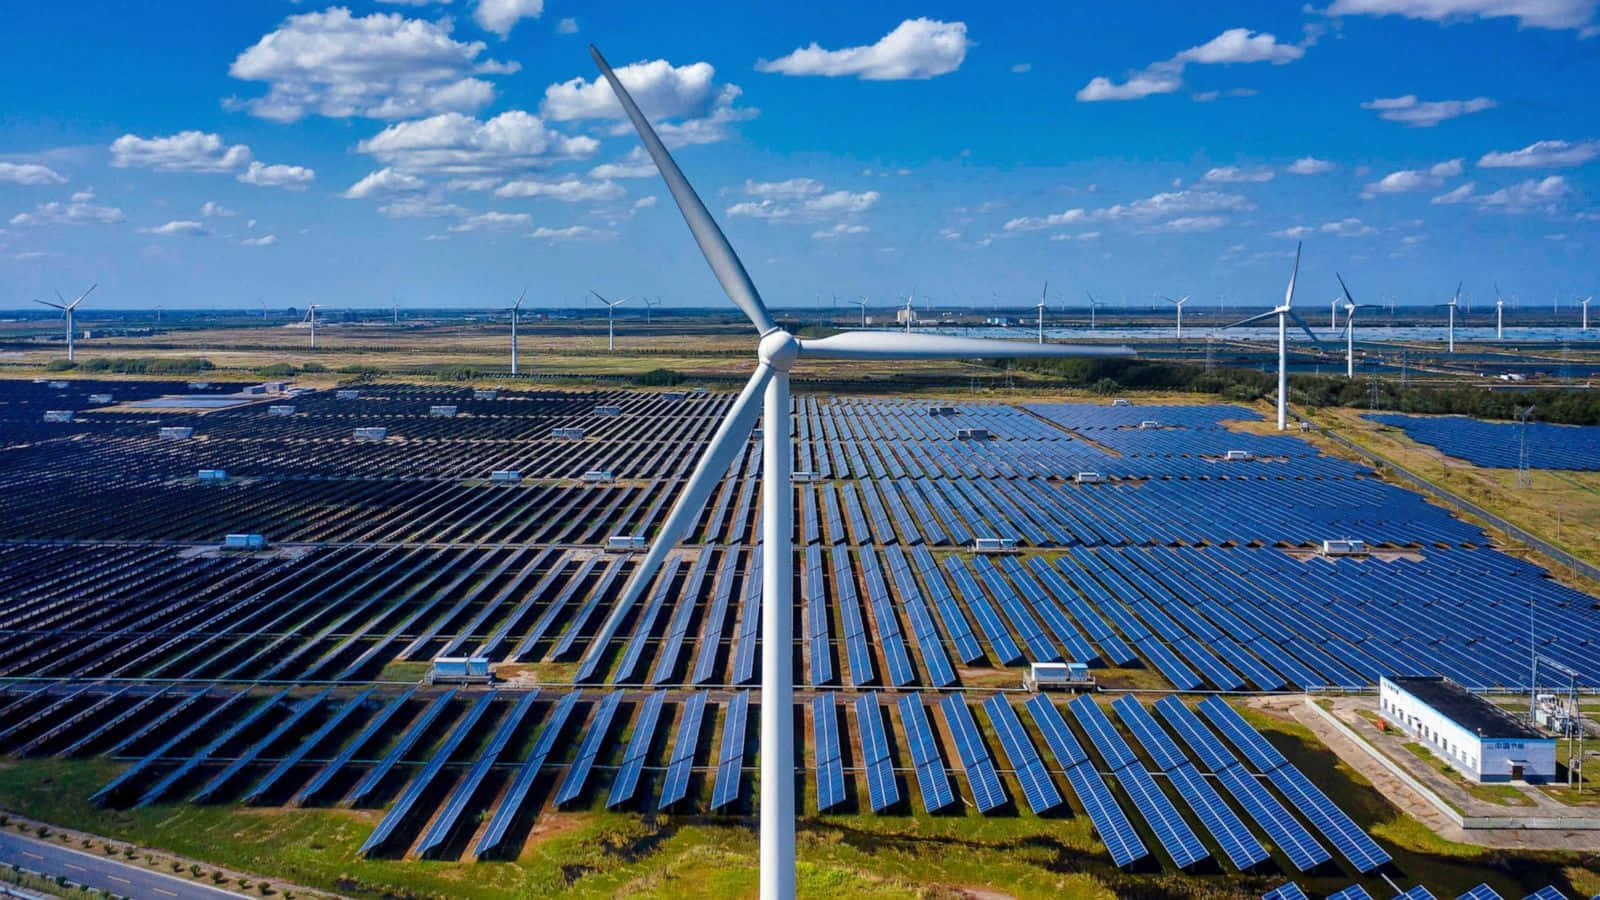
(1037, 787)
(413, 733)
(644, 731)
(1113, 749)
(1166, 754)
(1057, 736)
(1171, 830)
(1289, 891)
(1480, 892)
(676, 785)
(1283, 829)
(442, 825)
(1548, 892)
(1245, 739)
(1225, 827)
(413, 792)
(1415, 893)
(1353, 892)
(374, 725)
(830, 766)
(1110, 823)
(578, 772)
(730, 761)
(1346, 836)
(890, 640)
(882, 792)
(511, 804)
(302, 749)
(931, 776)
(987, 792)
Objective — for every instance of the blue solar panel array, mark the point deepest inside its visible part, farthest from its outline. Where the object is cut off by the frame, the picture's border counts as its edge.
(1498, 445)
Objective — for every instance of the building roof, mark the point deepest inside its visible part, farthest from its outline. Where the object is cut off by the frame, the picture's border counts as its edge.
(1465, 708)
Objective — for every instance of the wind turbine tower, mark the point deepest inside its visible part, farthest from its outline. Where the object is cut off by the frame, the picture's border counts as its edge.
(311, 316)
(515, 309)
(1450, 339)
(1040, 307)
(67, 309)
(1284, 314)
(1350, 308)
(1178, 304)
(863, 304)
(1499, 314)
(1585, 304)
(611, 320)
(766, 395)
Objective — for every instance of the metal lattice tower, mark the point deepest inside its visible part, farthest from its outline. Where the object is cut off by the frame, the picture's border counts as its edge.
(1524, 480)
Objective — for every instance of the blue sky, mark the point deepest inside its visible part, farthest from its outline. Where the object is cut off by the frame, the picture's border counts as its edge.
(204, 154)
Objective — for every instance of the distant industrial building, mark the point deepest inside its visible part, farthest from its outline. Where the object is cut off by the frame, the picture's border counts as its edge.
(1480, 739)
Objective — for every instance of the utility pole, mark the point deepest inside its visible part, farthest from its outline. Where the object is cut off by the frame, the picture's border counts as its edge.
(1524, 480)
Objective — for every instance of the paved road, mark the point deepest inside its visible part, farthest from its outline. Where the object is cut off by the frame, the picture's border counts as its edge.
(99, 871)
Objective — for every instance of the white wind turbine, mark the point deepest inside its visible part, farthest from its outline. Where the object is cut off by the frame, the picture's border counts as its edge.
(1585, 304)
(909, 315)
(649, 304)
(1499, 314)
(515, 310)
(611, 320)
(777, 352)
(311, 316)
(1093, 305)
(1450, 339)
(1284, 313)
(1040, 307)
(1350, 308)
(1179, 305)
(863, 304)
(67, 310)
(1333, 314)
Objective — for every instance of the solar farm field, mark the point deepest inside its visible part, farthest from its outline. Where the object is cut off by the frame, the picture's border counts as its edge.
(288, 679)
(1498, 445)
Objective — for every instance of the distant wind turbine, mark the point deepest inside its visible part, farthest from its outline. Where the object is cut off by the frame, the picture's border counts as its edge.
(1350, 308)
(1450, 338)
(909, 313)
(1040, 306)
(311, 316)
(611, 319)
(515, 310)
(1284, 314)
(1499, 314)
(67, 310)
(649, 304)
(1585, 304)
(777, 352)
(863, 304)
(1179, 305)
(1093, 305)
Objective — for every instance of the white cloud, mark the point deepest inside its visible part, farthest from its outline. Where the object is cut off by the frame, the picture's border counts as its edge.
(1188, 224)
(1555, 14)
(1081, 236)
(839, 230)
(1527, 196)
(419, 207)
(1022, 68)
(212, 210)
(186, 151)
(184, 227)
(490, 221)
(83, 196)
(294, 178)
(568, 25)
(29, 174)
(571, 190)
(1543, 155)
(266, 240)
(645, 202)
(801, 200)
(73, 213)
(1236, 175)
(1296, 232)
(1408, 180)
(204, 152)
(1235, 45)
(1347, 228)
(500, 16)
(685, 103)
(571, 233)
(1137, 87)
(916, 48)
(1425, 113)
(380, 66)
(384, 182)
(1310, 165)
(511, 142)
(1172, 205)
(635, 165)
(1460, 195)
(1241, 45)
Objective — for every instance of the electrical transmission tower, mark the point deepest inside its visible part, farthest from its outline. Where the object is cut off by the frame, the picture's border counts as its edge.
(1524, 480)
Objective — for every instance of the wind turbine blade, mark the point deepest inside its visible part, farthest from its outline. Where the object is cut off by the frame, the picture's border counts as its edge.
(1288, 293)
(518, 305)
(86, 293)
(62, 299)
(726, 444)
(1351, 300)
(1252, 320)
(713, 243)
(1306, 328)
(49, 304)
(904, 345)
